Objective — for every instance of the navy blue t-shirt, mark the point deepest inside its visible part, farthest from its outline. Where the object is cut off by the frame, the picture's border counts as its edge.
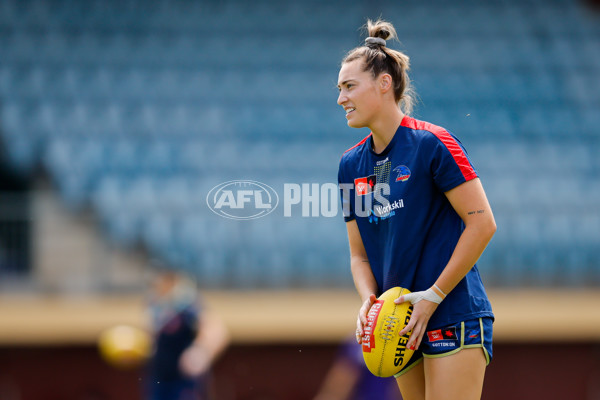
(173, 338)
(407, 225)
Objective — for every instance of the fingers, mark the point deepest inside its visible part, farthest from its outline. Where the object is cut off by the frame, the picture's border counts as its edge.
(418, 323)
(364, 310)
(409, 327)
(412, 297)
(417, 326)
(362, 316)
(194, 361)
(361, 321)
(415, 338)
(359, 331)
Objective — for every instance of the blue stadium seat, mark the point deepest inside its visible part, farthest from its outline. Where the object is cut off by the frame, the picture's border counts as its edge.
(123, 229)
(174, 195)
(157, 231)
(107, 195)
(139, 109)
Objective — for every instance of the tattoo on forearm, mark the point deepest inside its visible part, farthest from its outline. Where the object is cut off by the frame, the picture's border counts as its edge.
(476, 212)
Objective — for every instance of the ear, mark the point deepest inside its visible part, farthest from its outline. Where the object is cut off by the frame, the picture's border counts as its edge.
(385, 82)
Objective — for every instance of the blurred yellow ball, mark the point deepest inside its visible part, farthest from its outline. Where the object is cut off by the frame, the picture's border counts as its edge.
(125, 346)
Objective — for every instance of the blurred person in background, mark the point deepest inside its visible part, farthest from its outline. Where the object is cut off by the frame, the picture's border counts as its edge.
(417, 217)
(349, 379)
(188, 338)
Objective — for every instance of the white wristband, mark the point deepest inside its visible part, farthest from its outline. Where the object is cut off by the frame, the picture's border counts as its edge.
(429, 295)
(440, 290)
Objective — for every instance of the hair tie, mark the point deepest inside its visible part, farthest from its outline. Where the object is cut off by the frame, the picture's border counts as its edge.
(374, 41)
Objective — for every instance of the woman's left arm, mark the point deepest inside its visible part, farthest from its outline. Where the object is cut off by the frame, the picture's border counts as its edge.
(471, 204)
(212, 339)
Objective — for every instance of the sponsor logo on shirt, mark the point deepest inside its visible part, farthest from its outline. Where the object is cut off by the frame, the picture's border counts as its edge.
(365, 185)
(382, 211)
(403, 173)
(381, 162)
(375, 219)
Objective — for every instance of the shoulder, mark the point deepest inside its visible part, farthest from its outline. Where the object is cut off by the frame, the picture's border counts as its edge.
(437, 141)
(354, 151)
(430, 133)
(443, 149)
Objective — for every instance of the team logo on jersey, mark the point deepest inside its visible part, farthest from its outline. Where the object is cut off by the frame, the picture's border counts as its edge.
(403, 173)
(365, 185)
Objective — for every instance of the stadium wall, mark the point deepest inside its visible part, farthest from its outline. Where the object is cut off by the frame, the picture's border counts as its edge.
(289, 371)
(285, 341)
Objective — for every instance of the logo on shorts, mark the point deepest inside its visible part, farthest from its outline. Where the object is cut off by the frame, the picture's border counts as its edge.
(365, 185)
(442, 334)
(403, 173)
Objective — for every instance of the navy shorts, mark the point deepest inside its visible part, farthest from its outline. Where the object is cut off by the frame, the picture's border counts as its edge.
(451, 339)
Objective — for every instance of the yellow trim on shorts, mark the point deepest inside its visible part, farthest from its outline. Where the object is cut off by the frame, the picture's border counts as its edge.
(463, 346)
(408, 368)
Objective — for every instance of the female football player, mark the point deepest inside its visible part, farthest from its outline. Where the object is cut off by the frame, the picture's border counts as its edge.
(188, 339)
(417, 217)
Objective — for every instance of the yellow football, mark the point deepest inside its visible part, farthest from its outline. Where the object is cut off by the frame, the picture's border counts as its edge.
(384, 350)
(125, 346)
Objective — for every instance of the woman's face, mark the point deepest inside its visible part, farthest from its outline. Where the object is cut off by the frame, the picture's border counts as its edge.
(359, 94)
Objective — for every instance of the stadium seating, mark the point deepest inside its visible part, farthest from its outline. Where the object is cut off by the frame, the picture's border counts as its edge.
(137, 108)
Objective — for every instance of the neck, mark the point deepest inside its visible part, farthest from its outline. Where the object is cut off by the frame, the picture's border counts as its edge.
(385, 127)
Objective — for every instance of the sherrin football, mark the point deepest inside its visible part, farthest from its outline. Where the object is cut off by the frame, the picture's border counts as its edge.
(384, 350)
(125, 346)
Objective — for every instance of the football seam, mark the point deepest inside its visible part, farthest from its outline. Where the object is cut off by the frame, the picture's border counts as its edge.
(381, 359)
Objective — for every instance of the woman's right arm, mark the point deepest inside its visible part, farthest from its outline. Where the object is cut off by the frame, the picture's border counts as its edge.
(364, 281)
